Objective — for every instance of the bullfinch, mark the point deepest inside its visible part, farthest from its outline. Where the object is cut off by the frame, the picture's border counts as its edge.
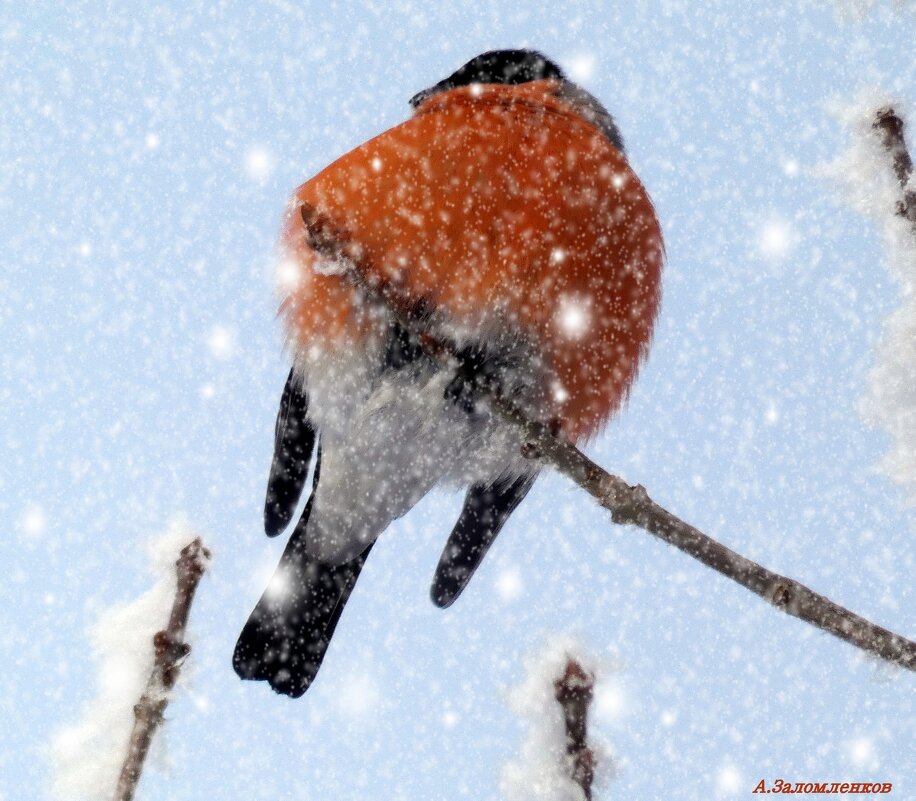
(503, 218)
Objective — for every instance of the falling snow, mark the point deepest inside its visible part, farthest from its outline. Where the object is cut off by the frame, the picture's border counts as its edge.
(147, 158)
(259, 164)
(776, 239)
(221, 342)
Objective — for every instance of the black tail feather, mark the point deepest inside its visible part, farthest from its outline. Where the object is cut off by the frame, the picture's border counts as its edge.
(288, 633)
(486, 509)
(294, 439)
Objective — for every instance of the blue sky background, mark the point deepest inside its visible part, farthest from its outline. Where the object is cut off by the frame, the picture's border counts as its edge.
(146, 152)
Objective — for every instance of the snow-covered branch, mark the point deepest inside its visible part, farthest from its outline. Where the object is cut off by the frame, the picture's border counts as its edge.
(170, 650)
(558, 760)
(574, 691)
(88, 755)
(890, 127)
(632, 504)
(875, 177)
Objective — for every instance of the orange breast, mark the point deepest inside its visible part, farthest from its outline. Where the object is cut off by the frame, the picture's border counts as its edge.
(498, 206)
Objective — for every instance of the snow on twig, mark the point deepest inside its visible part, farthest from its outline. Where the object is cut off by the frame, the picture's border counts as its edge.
(890, 126)
(574, 691)
(629, 504)
(170, 650)
(558, 761)
(876, 176)
(101, 756)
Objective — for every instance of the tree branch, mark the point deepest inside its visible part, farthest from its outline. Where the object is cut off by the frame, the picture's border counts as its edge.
(170, 650)
(628, 504)
(890, 126)
(573, 691)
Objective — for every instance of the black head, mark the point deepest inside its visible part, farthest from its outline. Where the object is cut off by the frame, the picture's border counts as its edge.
(496, 66)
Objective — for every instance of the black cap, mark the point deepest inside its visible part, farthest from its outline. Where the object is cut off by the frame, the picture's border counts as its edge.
(496, 66)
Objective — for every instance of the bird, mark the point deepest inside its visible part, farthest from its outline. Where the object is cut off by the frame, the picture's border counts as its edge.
(502, 218)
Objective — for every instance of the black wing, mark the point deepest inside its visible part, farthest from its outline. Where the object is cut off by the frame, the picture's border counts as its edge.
(486, 509)
(294, 440)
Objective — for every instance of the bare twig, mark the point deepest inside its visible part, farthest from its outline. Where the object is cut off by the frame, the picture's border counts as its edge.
(890, 126)
(631, 504)
(573, 691)
(170, 650)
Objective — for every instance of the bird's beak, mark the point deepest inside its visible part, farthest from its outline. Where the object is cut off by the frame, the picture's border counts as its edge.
(421, 97)
(417, 100)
